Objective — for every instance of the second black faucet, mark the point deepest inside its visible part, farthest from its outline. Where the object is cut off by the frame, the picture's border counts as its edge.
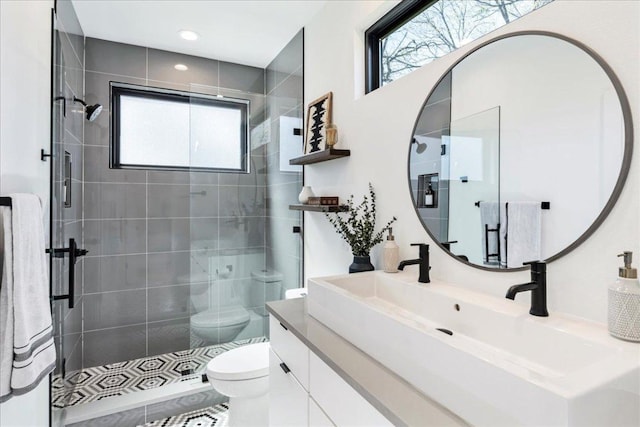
(537, 286)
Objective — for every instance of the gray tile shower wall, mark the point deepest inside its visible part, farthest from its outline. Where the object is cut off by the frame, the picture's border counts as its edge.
(284, 77)
(152, 234)
(106, 346)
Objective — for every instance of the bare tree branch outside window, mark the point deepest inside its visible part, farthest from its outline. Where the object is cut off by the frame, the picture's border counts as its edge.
(444, 27)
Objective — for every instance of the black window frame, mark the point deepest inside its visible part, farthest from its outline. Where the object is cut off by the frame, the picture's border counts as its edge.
(117, 90)
(391, 21)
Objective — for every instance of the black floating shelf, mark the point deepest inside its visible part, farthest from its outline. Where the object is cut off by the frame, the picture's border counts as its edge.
(319, 208)
(320, 156)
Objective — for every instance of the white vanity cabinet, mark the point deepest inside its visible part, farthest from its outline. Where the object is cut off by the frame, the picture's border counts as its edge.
(305, 391)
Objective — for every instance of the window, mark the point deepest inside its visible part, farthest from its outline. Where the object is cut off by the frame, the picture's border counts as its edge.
(416, 32)
(171, 130)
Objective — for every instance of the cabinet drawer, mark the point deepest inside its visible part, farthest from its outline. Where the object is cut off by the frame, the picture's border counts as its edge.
(290, 350)
(288, 401)
(343, 405)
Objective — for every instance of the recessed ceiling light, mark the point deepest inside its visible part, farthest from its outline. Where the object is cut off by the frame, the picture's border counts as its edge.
(188, 35)
(181, 67)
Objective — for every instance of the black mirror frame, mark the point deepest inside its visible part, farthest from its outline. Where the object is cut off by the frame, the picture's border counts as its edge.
(624, 168)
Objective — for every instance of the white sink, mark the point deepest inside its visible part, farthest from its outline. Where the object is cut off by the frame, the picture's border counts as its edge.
(501, 366)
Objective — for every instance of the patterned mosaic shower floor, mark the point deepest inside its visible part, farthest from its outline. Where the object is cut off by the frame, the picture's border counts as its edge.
(208, 417)
(117, 379)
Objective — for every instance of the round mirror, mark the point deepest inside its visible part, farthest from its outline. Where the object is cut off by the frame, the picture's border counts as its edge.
(520, 151)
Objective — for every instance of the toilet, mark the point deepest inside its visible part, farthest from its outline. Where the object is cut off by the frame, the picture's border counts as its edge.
(243, 375)
(230, 320)
(220, 325)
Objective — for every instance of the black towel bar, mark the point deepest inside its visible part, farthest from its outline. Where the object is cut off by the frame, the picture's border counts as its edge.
(6, 201)
(543, 205)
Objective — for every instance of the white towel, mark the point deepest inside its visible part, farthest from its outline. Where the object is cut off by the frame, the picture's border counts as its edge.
(6, 307)
(504, 217)
(489, 216)
(25, 294)
(524, 227)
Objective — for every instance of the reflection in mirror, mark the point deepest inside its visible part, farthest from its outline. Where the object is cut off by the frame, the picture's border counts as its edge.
(525, 147)
(474, 175)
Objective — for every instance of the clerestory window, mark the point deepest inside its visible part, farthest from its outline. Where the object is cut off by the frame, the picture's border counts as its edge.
(416, 32)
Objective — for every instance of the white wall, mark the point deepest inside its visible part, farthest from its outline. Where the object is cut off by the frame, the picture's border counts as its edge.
(377, 128)
(25, 75)
(25, 81)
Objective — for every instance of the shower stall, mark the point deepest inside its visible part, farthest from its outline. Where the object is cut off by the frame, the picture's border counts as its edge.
(178, 191)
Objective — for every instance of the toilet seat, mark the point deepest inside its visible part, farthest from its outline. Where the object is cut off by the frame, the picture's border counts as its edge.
(267, 276)
(242, 363)
(216, 318)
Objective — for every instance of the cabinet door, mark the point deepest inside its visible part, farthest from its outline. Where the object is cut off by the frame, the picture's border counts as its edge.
(317, 418)
(344, 405)
(288, 400)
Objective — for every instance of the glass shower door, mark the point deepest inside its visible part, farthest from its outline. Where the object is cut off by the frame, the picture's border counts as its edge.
(245, 245)
(244, 238)
(60, 388)
(65, 239)
(227, 217)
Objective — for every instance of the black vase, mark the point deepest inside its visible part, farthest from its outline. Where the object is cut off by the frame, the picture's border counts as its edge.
(360, 264)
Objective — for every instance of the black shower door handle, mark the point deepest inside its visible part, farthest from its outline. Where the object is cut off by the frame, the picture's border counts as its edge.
(74, 254)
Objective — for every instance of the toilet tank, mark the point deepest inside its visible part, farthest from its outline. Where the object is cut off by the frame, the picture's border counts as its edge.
(266, 285)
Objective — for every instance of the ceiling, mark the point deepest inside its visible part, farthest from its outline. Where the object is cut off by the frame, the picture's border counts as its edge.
(249, 32)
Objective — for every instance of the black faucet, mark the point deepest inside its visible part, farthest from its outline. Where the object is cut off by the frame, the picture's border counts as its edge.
(423, 260)
(537, 286)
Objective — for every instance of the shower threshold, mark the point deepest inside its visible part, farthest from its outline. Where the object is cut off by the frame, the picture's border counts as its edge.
(104, 390)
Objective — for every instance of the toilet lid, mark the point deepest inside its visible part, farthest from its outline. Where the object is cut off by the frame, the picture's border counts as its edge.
(242, 363)
(224, 316)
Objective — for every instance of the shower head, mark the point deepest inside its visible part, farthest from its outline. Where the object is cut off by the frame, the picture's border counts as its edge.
(420, 146)
(92, 111)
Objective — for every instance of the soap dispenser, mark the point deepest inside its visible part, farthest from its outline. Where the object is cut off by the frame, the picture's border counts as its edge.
(390, 254)
(624, 302)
